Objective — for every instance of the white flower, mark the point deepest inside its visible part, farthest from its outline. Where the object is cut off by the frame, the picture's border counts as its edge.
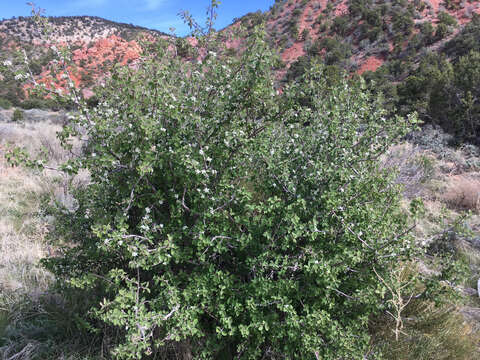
(7, 63)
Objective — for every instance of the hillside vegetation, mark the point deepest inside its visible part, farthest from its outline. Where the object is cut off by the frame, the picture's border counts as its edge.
(225, 196)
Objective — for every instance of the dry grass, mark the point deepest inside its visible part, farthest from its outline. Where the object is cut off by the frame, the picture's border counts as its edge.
(430, 333)
(35, 137)
(28, 312)
(22, 245)
(21, 230)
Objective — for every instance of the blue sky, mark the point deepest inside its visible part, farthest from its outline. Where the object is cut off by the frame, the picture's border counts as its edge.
(156, 14)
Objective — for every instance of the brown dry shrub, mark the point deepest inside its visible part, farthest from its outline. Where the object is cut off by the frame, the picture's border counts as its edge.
(463, 192)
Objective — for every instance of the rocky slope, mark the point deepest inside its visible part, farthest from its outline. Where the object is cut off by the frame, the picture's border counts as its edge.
(357, 35)
(72, 30)
(96, 45)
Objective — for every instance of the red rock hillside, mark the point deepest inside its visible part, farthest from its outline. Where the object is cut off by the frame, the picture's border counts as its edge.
(361, 34)
(96, 45)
